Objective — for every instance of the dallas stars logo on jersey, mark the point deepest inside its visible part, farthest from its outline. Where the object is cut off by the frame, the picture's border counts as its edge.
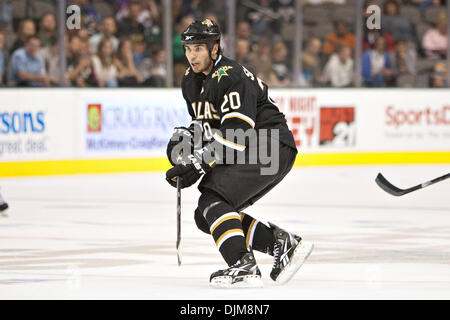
(207, 22)
(222, 71)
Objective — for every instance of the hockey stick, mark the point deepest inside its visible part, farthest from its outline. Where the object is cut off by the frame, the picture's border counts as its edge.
(391, 189)
(179, 220)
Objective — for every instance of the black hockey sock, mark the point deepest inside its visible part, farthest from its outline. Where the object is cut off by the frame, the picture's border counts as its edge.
(229, 236)
(258, 236)
(225, 226)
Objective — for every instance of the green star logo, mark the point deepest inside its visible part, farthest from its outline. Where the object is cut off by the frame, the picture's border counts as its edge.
(222, 71)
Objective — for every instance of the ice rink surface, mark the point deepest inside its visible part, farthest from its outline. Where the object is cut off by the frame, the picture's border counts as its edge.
(113, 237)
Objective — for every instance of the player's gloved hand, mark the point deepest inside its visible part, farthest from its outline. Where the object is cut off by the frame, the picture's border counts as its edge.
(182, 139)
(189, 171)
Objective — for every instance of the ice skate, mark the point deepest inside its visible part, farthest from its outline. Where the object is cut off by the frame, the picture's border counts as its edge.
(290, 252)
(243, 274)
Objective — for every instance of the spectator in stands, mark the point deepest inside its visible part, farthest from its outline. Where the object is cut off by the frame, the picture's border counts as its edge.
(424, 4)
(280, 65)
(149, 15)
(26, 66)
(79, 64)
(266, 74)
(158, 72)
(178, 51)
(399, 26)
(340, 37)
(6, 16)
(26, 29)
(242, 51)
(438, 78)
(90, 17)
(179, 58)
(9, 38)
(50, 58)
(128, 75)
(2, 58)
(180, 9)
(103, 64)
(47, 29)
(311, 72)
(376, 65)
(130, 26)
(260, 55)
(150, 18)
(243, 30)
(141, 57)
(339, 69)
(403, 60)
(370, 37)
(108, 30)
(243, 41)
(434, 41)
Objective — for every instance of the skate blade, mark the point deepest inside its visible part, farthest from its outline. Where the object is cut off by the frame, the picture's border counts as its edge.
(246, 282)
(301, 253)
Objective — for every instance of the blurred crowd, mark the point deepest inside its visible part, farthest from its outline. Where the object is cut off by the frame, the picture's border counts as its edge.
(120, 42)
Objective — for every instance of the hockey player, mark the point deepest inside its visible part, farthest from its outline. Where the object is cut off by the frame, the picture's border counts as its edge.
(223, 96)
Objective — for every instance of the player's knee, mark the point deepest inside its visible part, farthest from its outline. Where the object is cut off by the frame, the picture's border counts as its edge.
(200, 221)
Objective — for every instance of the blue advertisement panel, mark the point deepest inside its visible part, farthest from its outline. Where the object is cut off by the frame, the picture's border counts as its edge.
(132, 126)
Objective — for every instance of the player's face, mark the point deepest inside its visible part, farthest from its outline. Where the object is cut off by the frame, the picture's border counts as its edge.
(198, 57)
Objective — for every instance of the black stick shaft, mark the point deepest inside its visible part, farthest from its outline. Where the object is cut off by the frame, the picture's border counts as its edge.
(426, 184)
(179, 220)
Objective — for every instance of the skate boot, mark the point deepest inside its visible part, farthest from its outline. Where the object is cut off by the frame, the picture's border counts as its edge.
(289, 253)
(243, 274)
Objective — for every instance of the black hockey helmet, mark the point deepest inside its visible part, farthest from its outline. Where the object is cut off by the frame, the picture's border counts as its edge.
(202, 31)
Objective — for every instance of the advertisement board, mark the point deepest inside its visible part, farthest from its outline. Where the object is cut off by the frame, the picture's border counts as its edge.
(133, 123)
(362, 120)
(36, 125)
(53, 131)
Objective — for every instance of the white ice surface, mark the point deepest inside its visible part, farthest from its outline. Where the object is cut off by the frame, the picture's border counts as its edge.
(113, 237)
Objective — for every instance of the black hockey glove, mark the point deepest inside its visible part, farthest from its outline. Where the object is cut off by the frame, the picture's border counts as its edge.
(182, 140)
(189, 171)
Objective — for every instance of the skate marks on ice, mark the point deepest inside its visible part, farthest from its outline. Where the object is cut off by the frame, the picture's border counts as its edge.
(114, 237)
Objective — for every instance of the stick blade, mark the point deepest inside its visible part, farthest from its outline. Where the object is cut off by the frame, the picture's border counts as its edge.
(388, 187)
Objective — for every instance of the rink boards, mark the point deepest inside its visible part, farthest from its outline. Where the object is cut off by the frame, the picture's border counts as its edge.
(67, 131)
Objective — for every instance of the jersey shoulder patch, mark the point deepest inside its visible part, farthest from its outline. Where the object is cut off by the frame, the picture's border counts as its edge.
(221, 72)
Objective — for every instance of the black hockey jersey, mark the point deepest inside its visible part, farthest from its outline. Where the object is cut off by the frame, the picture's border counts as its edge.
(231, 97)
